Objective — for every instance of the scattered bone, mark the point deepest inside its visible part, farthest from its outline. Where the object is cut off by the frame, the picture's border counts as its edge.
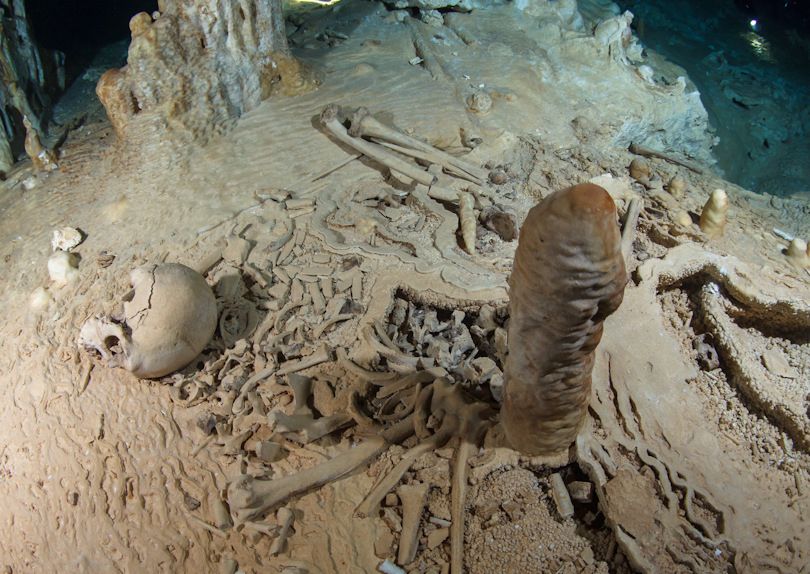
(436, 537)
(299, 203)
(370, 503)
(561, 497)
(713, 216)
(329, 119)
(413, 497)
(66, 238)
(250, 498)
(285, 518)
(222, 518)
(63, 268)
(629, 229)
(467, 221)
(365, 125)
(647, 152)
(388, 567)
(321, 355)
(236, 251)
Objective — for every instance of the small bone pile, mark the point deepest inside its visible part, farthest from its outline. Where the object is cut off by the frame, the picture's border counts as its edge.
(448, 179)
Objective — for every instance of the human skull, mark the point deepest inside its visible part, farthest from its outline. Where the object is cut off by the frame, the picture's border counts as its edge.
(169, 317)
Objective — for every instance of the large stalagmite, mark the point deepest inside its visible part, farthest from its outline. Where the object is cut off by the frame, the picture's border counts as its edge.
(569, 275)
(199, 65)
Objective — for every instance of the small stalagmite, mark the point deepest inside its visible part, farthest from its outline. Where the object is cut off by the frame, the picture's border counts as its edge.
(568, 276)
(798, 253)
(713, 216)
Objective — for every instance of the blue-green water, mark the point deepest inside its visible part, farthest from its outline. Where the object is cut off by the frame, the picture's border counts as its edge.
(754, 80)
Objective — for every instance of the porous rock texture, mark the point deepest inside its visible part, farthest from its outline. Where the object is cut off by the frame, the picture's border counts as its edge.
(568, 276)
(200, 65)
(31, 76)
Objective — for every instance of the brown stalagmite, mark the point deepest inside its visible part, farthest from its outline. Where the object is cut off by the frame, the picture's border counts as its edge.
(568, 276)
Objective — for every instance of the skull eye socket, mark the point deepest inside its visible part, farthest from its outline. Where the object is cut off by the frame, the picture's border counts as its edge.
(112, 343)
(129, 296)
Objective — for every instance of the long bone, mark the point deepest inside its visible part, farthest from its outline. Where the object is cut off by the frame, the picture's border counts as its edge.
(250, 498)
(363, 124)
(329, 120)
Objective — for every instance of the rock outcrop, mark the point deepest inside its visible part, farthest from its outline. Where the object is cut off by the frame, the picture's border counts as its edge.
(31, 76)
(200, 64)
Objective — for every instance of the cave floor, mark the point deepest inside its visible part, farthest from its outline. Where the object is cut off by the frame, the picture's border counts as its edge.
(696, 448)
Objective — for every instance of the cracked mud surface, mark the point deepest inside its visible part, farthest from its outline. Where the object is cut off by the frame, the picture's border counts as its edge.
(692, 466)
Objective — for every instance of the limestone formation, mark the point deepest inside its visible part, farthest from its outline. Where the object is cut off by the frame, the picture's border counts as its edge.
(200, 65)
(31, 76)
(569, 275)
(713, 216)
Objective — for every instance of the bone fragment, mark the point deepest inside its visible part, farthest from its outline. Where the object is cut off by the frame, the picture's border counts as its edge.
(285, 518)
(320, 329)
(561, 497)
(299, 203)
(322, 355)
(222, 519)
(713, 216)
(467, 221)
(318, 302)
(629, 228)
(388, 567)
(372, 500)
(302, 390)
(309, 429)
(457, 502)
(647, 152)
(413, 497)
(329, 119)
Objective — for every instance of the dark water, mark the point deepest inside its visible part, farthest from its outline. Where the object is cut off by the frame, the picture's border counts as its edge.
(754, 80)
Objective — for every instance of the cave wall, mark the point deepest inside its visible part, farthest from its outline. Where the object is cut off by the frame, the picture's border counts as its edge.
(197, 65)
(31, 77)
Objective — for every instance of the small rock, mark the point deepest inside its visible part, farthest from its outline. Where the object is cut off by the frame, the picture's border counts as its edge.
(391, 499)
(191, 502)
(479, 102)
